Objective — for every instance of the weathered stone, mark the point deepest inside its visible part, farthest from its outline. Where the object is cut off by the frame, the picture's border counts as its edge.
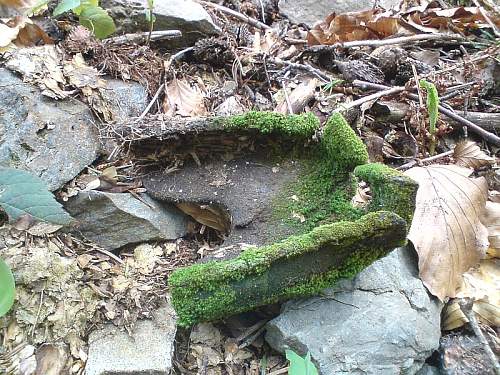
(127, 99)
(113, 220)
(185, 15)
(147, 351)
(428, 370)
(312, 11)
(382, 322)
(230, 106)
(55, 140)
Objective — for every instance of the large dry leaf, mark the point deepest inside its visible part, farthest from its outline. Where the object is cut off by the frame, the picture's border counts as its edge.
(22, 32)
(446, 230)
(368, 24)
(468, 154)
(299, 97)
(182, 99)
(482, 284)
(211, 216)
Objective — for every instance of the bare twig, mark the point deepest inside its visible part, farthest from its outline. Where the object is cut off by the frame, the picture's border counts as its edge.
(139, 38)
(490, 137)
(307, 68)
(466, 307)
(488, 19)
(412, 163)
(387, 42)
(151, 103)
(368, 98)
(237, 15)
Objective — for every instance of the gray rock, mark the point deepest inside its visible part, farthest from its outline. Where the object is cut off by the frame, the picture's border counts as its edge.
(382, 322)
(53, 139)
(230, 106)
(312, 11)
(113, 220)
(127, 99)
(185, 15)
(428, 370)
(147, 351)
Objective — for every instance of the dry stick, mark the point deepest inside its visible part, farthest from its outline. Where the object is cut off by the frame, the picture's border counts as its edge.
(238, 15)
(490, 137)
(412, 163)
(466, 307)
(143, 36)
(364, 99)
(386, 42)
(307, 68)
(488, 20)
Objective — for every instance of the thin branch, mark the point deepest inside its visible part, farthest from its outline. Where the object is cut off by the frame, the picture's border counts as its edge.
(237, 15)
(387, 42)
(367, 98)
(141, 37)
(490, 137)
(305, 67)
(412, 163)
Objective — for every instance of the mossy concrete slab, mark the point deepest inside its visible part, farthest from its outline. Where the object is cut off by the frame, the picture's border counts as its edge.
(234, 164)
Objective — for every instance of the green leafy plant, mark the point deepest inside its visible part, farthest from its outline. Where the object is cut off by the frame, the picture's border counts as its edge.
(23, 194)
(328, 87)
(90, 15)
(7, 288)
(150, 17)
(432, 104)
(299, 365)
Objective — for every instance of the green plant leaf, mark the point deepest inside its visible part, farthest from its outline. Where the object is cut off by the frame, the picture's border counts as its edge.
(65, 5)
(84, 4)
(97, 20)
(7, 288)
(21, 193)
(299, 365)
(432, 104)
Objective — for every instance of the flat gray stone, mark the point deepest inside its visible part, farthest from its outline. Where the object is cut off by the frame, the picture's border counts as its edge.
(312, 11)
(113, 220)
(53, 139)
(381, 322)
(127, 99)
(147, 351)
(428, 370)
(185, 15)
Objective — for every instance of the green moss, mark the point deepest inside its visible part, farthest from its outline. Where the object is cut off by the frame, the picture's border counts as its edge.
(321, 195)
(342, 145)
(298, 126)
(322, 252)
(391, 190)
(297, 266)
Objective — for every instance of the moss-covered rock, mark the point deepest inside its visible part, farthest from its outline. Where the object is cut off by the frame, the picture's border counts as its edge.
(297, 266)
(323, 250)
(391, 190)
(299, 126)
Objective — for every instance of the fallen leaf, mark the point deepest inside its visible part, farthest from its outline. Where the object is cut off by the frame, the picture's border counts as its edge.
(468, 154)
(211, 216)
(50, 359)
(482, 284)
(182, 99)
(299, 97)
(446, 230)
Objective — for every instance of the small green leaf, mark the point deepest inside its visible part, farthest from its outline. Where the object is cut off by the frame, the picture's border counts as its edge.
(65, 5)
(299, 365)
(432, 104)
(97, 20)
(22, 193)
(84, 4)
(7, 288)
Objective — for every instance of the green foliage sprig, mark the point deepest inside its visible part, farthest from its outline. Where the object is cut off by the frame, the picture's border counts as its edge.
(23, 194)
(299, 365)
(432, 104)
(90, 15)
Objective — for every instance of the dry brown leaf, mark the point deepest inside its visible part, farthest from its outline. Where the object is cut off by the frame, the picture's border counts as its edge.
(182, 99)
(368, 24)
(468, 154)
(299, 97)
(482, 284)
(19, 4)
(50, 359)
(210, 216)
(446, 230)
